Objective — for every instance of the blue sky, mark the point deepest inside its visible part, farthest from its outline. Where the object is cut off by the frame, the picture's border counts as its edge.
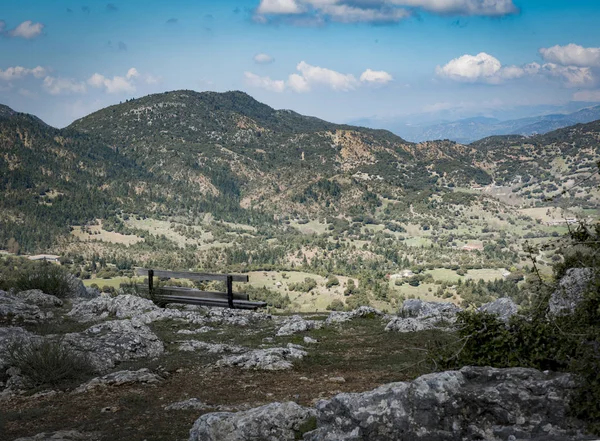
(340, 60)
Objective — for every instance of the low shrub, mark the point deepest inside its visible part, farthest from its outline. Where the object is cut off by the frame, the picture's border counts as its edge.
(48, 362)
(47, 277)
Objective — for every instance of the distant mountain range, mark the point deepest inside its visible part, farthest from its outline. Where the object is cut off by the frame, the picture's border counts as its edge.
(185, 154)
(469, 130)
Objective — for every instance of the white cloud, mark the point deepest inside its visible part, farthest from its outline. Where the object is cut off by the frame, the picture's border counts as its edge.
(322, 76)
(298, 83)
(478, 68)
(310, 77)
(278, 7)
(375, 76)
(263, 58)
(116, 84)
(572, 76)
(484, 68)
(572, 55)
(462, 7)
(28, 30)
(2, 25)
(342, 13)
(264, 82)
(18, 72)
(63, 86)
(377, 11)
(587, 95)
(132, 73)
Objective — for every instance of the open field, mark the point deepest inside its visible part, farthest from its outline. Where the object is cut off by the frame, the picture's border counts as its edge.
(96, 233)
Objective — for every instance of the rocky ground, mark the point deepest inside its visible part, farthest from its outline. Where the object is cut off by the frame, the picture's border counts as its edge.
(197, 373)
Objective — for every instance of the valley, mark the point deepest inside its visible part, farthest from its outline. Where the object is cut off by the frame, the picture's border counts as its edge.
(321, 216)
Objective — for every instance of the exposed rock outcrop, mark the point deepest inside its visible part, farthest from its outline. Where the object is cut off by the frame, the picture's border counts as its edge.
(362, 311)
(504, 308)
(120, 378)
(570, 291)
(296, 324)
(109, 343)
(473, 403)
(418, 315)
(62, 435)
(212, 348)
(271, 359)
(15, 309)
(273, 422)
(38, 298)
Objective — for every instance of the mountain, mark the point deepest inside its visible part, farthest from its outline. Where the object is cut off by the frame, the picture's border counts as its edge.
(185, 154)
(471, 129)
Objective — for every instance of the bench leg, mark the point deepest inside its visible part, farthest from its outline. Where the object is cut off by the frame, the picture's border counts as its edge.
(230, 291)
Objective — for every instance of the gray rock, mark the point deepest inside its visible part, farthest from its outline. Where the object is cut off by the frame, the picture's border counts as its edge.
(100, 308)
(14, 309)
(112, 342)
(570, 291)
(234, 317)
(309, 340)
(92, 293)
(38, 298)
(296, 324)
(192, 403)
(212, 348)
(121, 378)
(271, 359)
(504, 308)
(273, 422)
(12, 335)
(62, 435)
(418, 315)
(362, 311)
(473, 403)
(76, 287)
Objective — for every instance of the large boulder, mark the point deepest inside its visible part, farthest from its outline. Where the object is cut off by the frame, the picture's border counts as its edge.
(362, 311)
(15, 309)
(271, 359)
(296, 324)
(504, 308)
(571, 288)
(109, 343)
(76, 287)
(418, 315)
(473, 403)
(38, 298)
(100, 308)
(273, 422)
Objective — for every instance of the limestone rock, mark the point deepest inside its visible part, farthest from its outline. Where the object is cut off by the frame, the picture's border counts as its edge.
(362, 311)
(504, 308)
(14, 309)
(109, 343)
(473, 403)
(62, 435)
(122, 306)
(38, 298)
(418, 315)
(192, 403)
(271, 359)
(570, 291)
(120, 378)
(212, 348)
(296, 324)
(273, 422)
(76, 287)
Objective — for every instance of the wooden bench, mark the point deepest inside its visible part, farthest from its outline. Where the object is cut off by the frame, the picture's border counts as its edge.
(193, 296)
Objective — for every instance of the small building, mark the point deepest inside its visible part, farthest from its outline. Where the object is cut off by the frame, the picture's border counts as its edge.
(46, 257)
(473, 247)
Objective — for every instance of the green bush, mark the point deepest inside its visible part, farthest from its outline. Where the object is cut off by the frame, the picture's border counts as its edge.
(48, 362)
(306, 286)
(540, 340)
(47, 277)
(332, 281)
(336, 305)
